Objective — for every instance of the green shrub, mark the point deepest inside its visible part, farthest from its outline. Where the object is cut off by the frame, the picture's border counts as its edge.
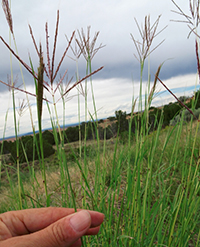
(72, 134)
(111, 131)
(27, 148)
(152, 108)
(154, 118)
(187, 116)
(122, 122)
(48, 136)
(183, 98)
(101, 121)
(7, 146)
(47, 149)
(124, 137)
(111, 119)
(197, 99)
(169, 112)
(90, 130)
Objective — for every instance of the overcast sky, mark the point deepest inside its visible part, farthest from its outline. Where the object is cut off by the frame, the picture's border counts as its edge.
(115, 85)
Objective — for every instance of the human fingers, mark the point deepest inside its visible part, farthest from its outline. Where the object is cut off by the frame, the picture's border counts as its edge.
(62, 233)
(96, 217)
(27, 221)
(21, 222)
(93, 231)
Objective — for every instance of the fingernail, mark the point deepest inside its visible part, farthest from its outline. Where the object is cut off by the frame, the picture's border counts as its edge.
(81, 220)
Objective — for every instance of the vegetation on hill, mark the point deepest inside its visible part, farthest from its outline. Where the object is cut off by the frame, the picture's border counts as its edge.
(118, 125)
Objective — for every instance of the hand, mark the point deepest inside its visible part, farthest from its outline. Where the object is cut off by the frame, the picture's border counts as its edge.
(47, 227)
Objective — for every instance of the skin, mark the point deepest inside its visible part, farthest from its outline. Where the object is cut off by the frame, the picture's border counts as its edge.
(48, 227)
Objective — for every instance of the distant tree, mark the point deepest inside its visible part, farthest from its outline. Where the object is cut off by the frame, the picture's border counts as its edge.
(7, 146)
(27, 149)
(24, 151)
(197, 99)
(183, 98)
(72, 134)
(170, 111)
(101, 132)
(101, 121)
(154, 118)
(49, 137)
(90, 130)
(110, 131)
(124, 137)
(187, 116)
(111, 119)
(122, 122)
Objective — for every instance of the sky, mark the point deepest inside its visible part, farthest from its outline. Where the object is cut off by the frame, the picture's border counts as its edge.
(117, 84)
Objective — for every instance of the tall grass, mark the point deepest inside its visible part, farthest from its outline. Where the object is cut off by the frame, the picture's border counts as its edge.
(148, 187)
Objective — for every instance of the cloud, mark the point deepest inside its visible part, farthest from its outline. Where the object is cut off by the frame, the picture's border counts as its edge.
(114, 20)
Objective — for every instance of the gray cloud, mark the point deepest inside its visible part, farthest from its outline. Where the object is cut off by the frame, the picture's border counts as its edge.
(114, 20)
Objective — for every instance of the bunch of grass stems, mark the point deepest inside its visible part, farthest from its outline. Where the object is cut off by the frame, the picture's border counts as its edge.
(148, 188)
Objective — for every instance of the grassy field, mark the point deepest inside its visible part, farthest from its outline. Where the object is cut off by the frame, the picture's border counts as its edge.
(147, 187)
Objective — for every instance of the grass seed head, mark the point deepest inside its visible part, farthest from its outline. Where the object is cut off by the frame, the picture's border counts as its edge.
(148, 34)
(88, 48)
(6, 9)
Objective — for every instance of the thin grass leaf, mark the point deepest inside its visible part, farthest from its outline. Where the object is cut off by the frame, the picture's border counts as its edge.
(40, 86)
(197, 58)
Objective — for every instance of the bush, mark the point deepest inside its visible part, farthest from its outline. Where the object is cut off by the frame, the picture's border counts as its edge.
(72, 134)
(183, 98)
(7, 146)
(197, 99)
(28, 150)
(169, 112)
(124, 137)
(152, 108)
(48, 136)
(154, 118)
(101, 121)
(186, 117)
(90, 130)
(101, 132)
(111, 131)
(47, 149)
(111, 119)
(136, 123)
(122, 122)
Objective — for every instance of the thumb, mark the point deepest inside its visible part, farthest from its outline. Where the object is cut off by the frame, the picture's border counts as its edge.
(62, 233)
(65, 231)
